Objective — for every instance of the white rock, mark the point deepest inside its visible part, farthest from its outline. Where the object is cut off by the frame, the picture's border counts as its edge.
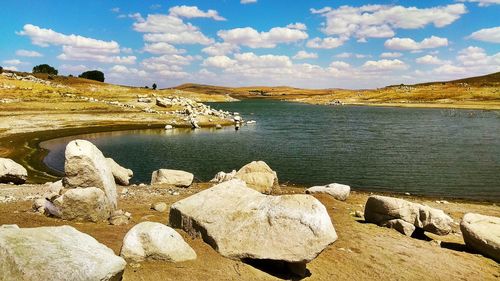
(242, 223)
(85, 166)
(482, 233)
(172, 177)
(10, 171)
(55, 253)
(336, 190)
(159, 206)
(121, 175)
(87, 204)
(56, 187)
(222, 176)
(259, 176)
(152, 240)
(169, 127)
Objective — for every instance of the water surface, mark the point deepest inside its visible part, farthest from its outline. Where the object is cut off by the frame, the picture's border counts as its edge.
(436, 152)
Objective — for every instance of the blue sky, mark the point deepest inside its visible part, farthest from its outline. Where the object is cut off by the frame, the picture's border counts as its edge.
(313, 44)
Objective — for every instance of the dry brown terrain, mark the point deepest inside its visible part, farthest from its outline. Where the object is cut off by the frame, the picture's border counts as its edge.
(362, 252)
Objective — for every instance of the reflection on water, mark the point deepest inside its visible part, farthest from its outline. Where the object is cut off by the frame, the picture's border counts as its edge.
(437, 152)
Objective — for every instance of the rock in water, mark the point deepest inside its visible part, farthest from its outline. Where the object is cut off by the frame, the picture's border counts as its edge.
(85, 166)
(336, 190)
(241, 223)
(10, 171)
(381, 209)
(482, 233)
(122, 175)
(259, 176)
(62, 253)
(153, 240)
(172, 177)
(87, 204)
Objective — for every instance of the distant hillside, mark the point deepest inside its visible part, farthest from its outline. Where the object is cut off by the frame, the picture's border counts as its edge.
(492, 79)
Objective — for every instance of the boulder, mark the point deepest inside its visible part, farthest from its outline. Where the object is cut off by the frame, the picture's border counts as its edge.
(122, 175)
(87, 204)
(85, 166)
(163, 102)
(10, 171)
(159, 206)
(400, 225)
(259, 176)
(172, 177)
(55, 253)
(56, 187)
(482, 233)
(222, 176)
(155, 241)
(381, 209)
(242, 223)
(336, 190)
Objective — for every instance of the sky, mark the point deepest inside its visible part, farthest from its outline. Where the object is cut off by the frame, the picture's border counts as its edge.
(310, 44)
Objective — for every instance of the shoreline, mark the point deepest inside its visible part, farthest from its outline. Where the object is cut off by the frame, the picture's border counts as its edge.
(31, 155)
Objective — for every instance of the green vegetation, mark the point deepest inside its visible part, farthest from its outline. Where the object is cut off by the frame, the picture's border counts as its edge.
(154, 86)
(93, 75)
(45, 68)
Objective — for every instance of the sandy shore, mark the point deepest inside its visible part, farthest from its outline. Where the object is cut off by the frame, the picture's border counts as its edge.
(362, 252)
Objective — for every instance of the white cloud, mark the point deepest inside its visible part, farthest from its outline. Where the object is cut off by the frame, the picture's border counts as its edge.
(344, 55)
(85, 54)
(248, 1)
(219, 62)
(384, 65)
(250, 37)
(170, 29)
(408, 44)
(482, 3)
(325, 43)
(73, 68)
(381, 20)
(162, 48)
(297, 25)
(115, 10)
(487, 35)
(120, 71)
(340, 65)
(475, 56)
(12, 62)
(391, 55)
(428, 59)
(27, 53)
(10, 67)
(220, 49)
(193, 12)
(169, 60)
(305, 55)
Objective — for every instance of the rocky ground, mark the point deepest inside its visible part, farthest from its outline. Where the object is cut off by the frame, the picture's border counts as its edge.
(362, 252)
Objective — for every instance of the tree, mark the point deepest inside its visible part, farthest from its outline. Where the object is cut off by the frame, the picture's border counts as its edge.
(93, 75)
(1, 69)
(154, 86)
(45, 68)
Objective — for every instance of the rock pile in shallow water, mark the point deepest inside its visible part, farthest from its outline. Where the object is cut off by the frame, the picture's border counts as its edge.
(482, 233)
(336, 190)
(242, 223)
(405, 216)
(55, 253)
(10, 171)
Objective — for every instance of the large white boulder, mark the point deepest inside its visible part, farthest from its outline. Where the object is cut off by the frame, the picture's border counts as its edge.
(382, 209)
(242, 223)
(153, 240)
(172, 177)
(223, 176)
(336, 190)
(259, 176)
(86, 204)
(122, 175)
(55, 253)
(86, 166)
(10, 171)
(482, 233)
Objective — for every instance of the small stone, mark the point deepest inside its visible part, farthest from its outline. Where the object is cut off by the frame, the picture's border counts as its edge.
(159, 206)
(359, 214)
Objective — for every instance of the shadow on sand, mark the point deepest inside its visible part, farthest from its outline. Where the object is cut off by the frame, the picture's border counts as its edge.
(278, 269)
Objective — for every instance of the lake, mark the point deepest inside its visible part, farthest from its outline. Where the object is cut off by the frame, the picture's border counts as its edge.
(435, 152)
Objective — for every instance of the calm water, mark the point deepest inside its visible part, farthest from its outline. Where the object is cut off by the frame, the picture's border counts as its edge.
(439, 152)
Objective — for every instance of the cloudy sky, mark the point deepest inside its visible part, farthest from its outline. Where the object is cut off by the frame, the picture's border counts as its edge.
(313, 44)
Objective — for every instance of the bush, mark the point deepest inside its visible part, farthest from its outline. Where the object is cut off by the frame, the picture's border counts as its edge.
(45, 68)
(1, 69)
(93, 75)
(154, 86)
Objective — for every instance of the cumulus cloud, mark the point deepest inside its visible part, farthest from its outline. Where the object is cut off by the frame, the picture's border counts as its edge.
(482, 3)
(428, 59)
(220, 49)
(340, 65)
(194, 12)
(305, 55)
(380, 21)
(252, 38)
(325, 43)
(27, 53)
(162, 48)
(76, 47)
(408, 44)
(297, 25)
(219, 62)
(248, 1)
(391, 55)
(12, 62)
(384, 65)
(10, 67)
(487, 35)
(73, 68)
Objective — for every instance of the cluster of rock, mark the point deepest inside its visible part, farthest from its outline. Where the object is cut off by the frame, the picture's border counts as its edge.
(256, 174)
(405, 216)
(29, 78)
(242, 223)
(12, 172)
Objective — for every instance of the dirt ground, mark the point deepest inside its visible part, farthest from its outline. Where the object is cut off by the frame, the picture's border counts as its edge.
(362, 252)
